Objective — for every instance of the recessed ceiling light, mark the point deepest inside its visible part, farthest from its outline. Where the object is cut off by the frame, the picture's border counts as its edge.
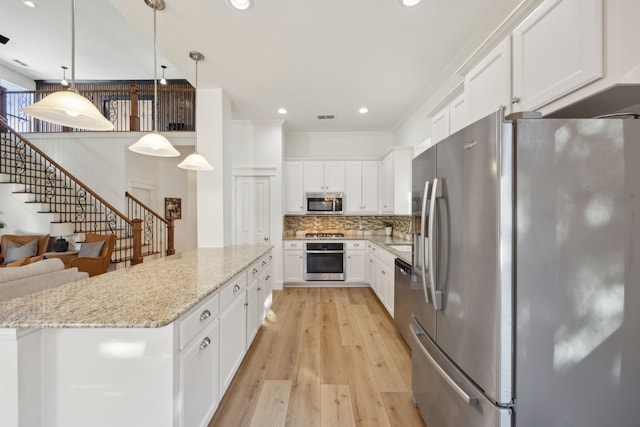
(282, 111)
(363, 110)
(410, 3)
(29, 3)
(240, 4)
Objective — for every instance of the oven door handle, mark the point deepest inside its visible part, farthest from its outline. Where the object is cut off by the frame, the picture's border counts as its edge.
(323, 252)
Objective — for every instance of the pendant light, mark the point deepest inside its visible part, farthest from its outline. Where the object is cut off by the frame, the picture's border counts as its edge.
(196, 161)
(163, 81)
(64, 82)
(154, 144)
(68, 107)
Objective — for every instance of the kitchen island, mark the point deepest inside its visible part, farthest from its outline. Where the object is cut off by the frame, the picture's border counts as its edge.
(153, 344)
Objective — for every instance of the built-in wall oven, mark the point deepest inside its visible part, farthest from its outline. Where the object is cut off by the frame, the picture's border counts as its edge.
(324, 261)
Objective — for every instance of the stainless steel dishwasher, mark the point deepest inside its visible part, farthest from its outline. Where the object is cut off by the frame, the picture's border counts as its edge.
(402, 298)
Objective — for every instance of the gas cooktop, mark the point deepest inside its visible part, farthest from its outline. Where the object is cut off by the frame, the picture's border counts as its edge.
(324, 235)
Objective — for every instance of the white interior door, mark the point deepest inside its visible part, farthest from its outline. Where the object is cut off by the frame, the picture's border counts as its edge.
(252, 209)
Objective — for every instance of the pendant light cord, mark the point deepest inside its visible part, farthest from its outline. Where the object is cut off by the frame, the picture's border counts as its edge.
(155, 76)
(195, 124)
(73, 45)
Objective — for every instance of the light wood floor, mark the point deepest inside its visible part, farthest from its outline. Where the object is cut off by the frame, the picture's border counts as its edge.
(323, 357)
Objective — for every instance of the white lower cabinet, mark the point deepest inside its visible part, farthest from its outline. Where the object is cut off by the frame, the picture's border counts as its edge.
(233, 333)
(356, 261)
(293, 261)
(380, 273)
(199, 379)
(253, 321)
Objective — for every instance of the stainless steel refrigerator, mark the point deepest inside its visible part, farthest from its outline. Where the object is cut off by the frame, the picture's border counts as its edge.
(528, 309)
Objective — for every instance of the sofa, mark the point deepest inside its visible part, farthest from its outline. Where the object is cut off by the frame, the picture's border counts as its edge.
(38, 276)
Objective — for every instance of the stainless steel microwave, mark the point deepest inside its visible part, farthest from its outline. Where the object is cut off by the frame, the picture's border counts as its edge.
(324, 203)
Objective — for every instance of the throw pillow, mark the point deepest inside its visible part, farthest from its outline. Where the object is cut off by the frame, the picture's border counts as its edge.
(16, 251)
(33, 259)
(18, 263)
(91, 250)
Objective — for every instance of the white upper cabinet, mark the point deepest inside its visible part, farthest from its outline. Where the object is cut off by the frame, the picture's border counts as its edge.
(322, 177)
(361, 187)
(440, 125)
(556, 50)
(387, 184)
(458, 113)
(294, 194)
(488, 85)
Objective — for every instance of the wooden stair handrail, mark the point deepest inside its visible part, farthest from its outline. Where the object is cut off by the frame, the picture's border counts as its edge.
(68, 174)
(168, 222)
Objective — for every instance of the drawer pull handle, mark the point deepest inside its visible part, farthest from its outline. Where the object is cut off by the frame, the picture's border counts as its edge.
(205, 343)
(264, 263)
(267, 278)
(236, 288)
(255, 271)
(205, 315)
(356, 245)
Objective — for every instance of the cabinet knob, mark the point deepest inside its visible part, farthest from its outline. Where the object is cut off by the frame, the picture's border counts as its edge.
(205, 315)
(264, 263)
(267, 278)
(254, 271)
(236, 288)
(259, 289)
(349, 257)
(205, 343)
(356, 244)
(246, 304)
(266, 238)
(270, 256)
(515, 100)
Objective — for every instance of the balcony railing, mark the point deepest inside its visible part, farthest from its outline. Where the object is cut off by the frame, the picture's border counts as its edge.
(129, 109)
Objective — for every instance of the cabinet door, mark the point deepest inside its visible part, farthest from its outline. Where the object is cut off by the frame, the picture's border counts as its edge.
(458, 113)
(233, 339)
(440, 125)
(253, 312)
(355, 266)
(387, 184)
(488, 85)
(370, 186)
(264, 294)
(314, 177)
(293, 265)
(294, 187)
(556, 50)
(334, 176)
(199, 378)
(353, 187)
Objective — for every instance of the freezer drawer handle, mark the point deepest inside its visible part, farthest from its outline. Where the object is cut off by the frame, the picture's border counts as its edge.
(469, 400)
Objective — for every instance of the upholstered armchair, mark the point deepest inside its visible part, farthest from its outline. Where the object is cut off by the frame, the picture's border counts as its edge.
(94, 258)
(42, 242)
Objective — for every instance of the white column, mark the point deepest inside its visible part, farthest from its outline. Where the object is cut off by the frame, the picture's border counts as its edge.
(213, 120)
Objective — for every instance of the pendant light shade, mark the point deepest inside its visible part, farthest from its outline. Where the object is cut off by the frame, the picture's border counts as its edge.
(154, 144)
(68, 107)
(196, 161)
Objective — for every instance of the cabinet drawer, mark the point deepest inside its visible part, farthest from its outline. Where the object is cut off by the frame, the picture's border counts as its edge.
(356, 245)
(293, 245)
(232, 289)
(198, 319)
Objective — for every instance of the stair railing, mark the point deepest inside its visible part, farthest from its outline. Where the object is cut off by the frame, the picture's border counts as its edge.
(66, 196)
(157, 232)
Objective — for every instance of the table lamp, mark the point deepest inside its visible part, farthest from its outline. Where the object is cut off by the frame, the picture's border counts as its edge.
(61, 229)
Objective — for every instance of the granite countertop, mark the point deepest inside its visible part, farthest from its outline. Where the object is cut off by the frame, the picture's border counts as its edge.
(148, 295)
(383, 241)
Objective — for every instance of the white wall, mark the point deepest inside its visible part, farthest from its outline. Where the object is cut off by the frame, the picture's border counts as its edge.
(9, 76)
(337, 145)
(103, 162)
(257, 150)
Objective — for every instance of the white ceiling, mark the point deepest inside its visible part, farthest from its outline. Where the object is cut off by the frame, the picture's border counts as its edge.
(310, 56)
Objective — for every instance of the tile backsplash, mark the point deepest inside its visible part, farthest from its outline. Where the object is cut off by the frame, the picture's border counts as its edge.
(344, 224)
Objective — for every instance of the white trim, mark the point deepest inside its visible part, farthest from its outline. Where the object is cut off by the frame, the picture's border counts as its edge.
(254, 171)
(444, 102)
(503, 31)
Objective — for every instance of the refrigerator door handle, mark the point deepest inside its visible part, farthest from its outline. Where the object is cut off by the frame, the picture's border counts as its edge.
(435, 294)
(423, 261)
(469, 400)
